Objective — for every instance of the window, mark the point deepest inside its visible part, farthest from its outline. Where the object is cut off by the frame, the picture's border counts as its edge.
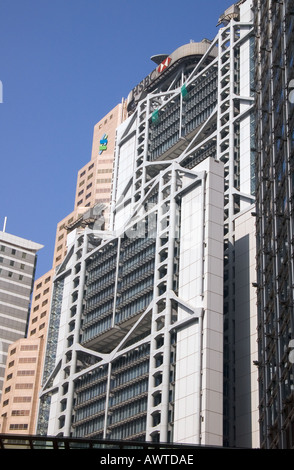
(29, 347)
(24, 386)
(20, 413)
(18, 426)
(27, 360)
(25, 372)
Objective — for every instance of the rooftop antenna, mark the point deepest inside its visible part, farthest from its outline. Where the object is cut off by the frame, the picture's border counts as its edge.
(4, 225)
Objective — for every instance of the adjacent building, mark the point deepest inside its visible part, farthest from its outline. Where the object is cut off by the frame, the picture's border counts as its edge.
(274, 25)
(146, 337)
(25, 364)
(18, 258)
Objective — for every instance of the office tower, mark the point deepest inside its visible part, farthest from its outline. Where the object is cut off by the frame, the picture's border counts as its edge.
(25, 365)
(26, 357)
(274, 23)
(142, 342)
(18, 258)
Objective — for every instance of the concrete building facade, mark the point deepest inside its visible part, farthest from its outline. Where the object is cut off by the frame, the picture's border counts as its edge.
(17, 270)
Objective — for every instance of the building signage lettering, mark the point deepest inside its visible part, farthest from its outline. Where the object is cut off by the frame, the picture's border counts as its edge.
(152, 76)
(144, 83)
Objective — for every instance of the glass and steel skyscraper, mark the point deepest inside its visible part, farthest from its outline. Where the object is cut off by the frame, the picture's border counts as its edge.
(274, 24)
(141, 342)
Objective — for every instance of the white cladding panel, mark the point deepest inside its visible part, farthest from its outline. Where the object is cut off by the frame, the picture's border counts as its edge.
(198, 393)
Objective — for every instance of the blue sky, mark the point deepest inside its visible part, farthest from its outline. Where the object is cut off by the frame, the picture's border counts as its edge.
(64, 64)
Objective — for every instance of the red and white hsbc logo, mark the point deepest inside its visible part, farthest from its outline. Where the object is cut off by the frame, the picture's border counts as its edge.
(164, 64)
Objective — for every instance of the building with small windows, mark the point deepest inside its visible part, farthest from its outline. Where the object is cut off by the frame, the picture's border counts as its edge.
(21, 386)
(18, 258)
(25, 363)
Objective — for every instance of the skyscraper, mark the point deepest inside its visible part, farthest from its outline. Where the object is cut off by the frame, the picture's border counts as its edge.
(144, 321)
(17, 269)
(274, 24)
(25, 364)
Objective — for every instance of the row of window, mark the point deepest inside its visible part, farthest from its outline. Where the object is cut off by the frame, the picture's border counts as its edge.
(20, 386)
(23, 360)
(45, 282)
(89, 168)
(41, 327)
(21, 399)
(91, 409)
(128, 411)
(45, 302)
(99, 181)
(129, 392)
(13, 251)
(11, 274)
(44, 293)
(25, 347)
(43, 314)
(18, 427)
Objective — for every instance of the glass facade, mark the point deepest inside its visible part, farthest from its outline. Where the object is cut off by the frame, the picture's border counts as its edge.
(274, 191)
